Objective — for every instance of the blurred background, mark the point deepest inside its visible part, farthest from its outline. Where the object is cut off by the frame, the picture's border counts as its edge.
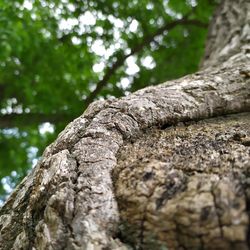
(57, 56)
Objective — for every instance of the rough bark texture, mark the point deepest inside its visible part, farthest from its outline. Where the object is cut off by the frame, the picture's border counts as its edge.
(229, 36)
(187, 187)
(112, 180)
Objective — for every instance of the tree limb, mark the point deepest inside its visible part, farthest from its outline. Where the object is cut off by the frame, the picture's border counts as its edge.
(25, 119)
(69, 196)
(20, 120)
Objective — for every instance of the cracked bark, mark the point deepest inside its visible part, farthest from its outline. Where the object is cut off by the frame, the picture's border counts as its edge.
(150, 170)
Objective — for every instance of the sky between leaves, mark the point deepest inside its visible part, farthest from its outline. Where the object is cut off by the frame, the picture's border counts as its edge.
(57, 56)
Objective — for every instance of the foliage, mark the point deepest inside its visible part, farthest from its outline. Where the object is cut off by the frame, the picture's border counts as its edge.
(59, 55)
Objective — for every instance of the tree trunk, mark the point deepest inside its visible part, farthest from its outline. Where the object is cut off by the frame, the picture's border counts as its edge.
(150, 170)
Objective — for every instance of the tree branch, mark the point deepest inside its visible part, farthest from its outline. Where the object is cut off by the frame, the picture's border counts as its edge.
(2, 91)
(23, 120)
(145, 42)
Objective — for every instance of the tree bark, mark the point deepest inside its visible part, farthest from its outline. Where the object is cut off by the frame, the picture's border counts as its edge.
(150, 170)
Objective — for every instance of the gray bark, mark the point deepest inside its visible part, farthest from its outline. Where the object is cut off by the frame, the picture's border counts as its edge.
(187, 187)
(136, 172)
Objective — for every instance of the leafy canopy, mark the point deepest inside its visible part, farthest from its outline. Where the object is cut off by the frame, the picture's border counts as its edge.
(57, 56)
